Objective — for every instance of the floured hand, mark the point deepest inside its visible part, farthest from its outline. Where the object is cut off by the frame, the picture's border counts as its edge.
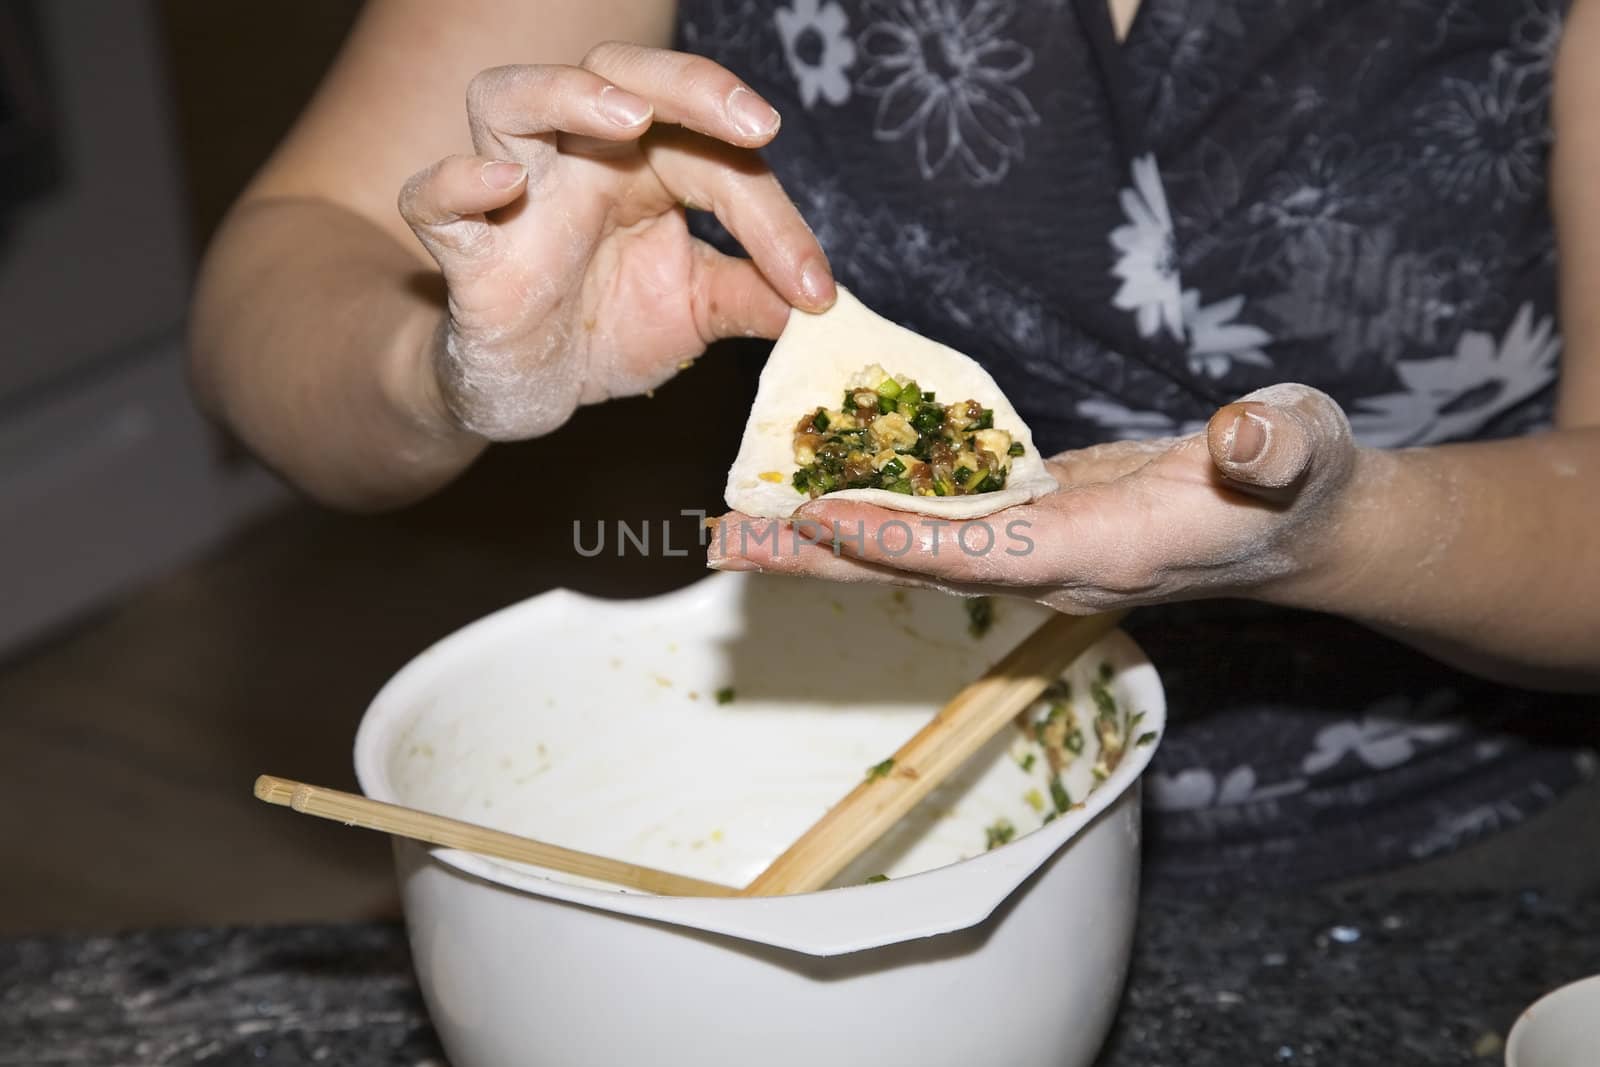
(1245, 508)
(571, 274)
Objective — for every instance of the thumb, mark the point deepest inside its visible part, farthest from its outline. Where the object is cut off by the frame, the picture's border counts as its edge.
(1276, 439)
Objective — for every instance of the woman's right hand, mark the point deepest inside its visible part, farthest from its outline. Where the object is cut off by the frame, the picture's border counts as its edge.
(570, 270)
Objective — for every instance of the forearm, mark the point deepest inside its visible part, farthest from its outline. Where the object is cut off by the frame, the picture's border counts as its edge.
(1485, 555)
(311, 338)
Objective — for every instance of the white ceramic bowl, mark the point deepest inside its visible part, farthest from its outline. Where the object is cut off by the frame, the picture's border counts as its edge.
(1559, 1030)
(594, 724)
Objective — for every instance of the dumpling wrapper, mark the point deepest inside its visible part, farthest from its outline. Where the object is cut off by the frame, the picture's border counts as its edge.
(809, 368)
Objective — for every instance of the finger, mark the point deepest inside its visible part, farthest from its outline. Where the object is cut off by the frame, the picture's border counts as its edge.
(811, 561)
(1274, 440)
(1106, 462)
(745, 195)
(771, 546)
(1000, 549)
(731, 297)
(513, 110)
(444, 204)
(688, 90)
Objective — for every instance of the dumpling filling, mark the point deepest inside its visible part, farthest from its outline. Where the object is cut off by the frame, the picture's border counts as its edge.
(888, 433)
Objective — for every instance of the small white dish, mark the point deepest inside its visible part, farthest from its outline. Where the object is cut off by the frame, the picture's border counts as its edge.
(1561, 1029)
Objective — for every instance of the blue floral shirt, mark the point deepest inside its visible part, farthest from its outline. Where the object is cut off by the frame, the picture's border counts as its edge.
(1128, 235)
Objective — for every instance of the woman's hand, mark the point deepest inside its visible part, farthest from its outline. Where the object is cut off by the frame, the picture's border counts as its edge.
(571, 274)
(1251, 506)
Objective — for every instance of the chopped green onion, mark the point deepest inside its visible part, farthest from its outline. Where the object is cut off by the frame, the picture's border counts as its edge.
(886, 405)
(1074, 743)
(899, 486)
(928, 419)
(942, 487)
(1035, 799)
(909, 394)
(893, 469)
(985, 421)
(876, 878)
(725, 695)
(1106, 670)
(1103, 700)
(888, 389)
(928, 396)
(802, 481)
(1000, 833)
(1145, 738)
(961, 474)
(974, 481)
(1058, 795)
(980, 615)
(820, 420)
(880, 770)
(849, 403)
(1027, 761)
(1016, 449)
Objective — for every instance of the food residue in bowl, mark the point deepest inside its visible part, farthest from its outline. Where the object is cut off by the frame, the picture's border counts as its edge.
(1000, 832)
(1053, 739)
(980, 615)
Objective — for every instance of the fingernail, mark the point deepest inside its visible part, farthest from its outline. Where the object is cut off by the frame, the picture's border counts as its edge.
(1248, 438)
(816, 282)
(622, 107)
(499, 175)
(730, 563)
(753, 116)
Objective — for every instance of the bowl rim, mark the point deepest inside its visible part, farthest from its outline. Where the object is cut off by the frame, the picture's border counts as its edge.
(923, 900)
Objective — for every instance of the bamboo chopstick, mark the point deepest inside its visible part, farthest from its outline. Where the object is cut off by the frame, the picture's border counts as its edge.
(960, 729)
(353, 810)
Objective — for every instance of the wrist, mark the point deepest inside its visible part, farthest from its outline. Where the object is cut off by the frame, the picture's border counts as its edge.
(1337, 547)
(415, 396)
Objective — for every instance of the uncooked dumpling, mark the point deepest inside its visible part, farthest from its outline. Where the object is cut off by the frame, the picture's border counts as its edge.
(818, 360)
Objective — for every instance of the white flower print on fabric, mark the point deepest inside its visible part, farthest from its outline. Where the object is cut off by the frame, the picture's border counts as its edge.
(1216, 342)
(1487, 136)
(943, 74)
(1455, 396)
(1129, 424)
(1386, 736)
(1196, 788)
(817, 49)
(1148, 260)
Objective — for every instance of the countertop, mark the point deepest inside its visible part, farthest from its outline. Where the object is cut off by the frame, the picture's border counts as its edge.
(1312, 979)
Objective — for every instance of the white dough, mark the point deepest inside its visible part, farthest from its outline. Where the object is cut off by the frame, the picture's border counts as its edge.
(809, 368)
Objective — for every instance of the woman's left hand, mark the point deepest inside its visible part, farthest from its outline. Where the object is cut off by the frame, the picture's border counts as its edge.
(1251, 506)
